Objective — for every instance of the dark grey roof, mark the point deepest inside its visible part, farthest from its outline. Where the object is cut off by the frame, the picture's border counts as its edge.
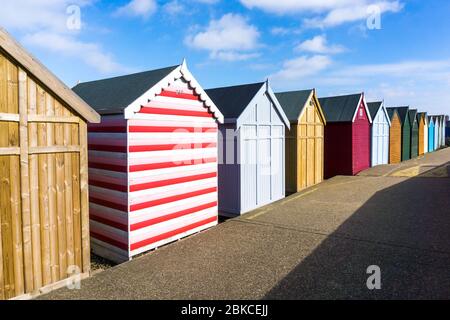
(374, 107)
(293, 102)
(391, 112)
(421, 114)
(113, 95)
(232, 101)
(340, 108)
(403, 113)
(412, 115)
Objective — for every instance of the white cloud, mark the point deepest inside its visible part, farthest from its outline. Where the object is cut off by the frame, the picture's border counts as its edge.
(301, 67)
(325, 13)
(228, 38)
(90, 53)
(173, 7)
(319, 44)
(207, 1)
(138, 8)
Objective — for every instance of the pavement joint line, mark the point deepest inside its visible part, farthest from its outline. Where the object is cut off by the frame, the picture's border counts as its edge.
(339, 235)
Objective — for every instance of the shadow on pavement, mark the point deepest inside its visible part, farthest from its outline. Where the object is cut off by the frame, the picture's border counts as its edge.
(404, 229)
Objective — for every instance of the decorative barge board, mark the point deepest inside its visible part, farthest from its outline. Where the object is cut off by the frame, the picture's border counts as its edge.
(395, 136)
(44, 218)
(252, 147)
(414, 133)
(406, 132)
(380, 133)
(425, 132)
(153, 160)
(421, 126)
(430, 134)
(305, 139)
(347, 134)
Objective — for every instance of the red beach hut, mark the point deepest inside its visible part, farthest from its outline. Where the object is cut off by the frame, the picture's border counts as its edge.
(347, 134)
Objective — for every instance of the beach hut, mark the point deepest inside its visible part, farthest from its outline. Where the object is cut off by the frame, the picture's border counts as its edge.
(425, 133)
(447, 131)
(430, 134)
(414, 133)
(152, 160)
(442, 131)
(421, 126)
(395, 136)
(380, 133)
(406, 132)
(251, 147)
(437, 128)
(347, 134)
(305, 139)
(44, 223)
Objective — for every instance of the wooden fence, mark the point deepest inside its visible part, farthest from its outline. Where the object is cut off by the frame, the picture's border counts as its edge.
(44, 234)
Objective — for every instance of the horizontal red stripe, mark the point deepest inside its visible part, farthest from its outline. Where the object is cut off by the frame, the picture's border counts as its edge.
(158, 202)
(172, 233)
(173, 94)
(171, 216)
(122, 129)
(108, 222)
(162, 165)
(162, 147)
(108, 185)
(171, 129)
(109, 167)
(175, 112)
(102, 147)
(168, 182)
(112, 242)
(109, 204)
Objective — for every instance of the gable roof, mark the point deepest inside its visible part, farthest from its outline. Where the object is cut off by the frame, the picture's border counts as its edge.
(430, 120)
(233, 100)
(412, 115)
(342, 108)
(391, 112)
(46, 77)
(374, 107)
(113, 95)
(127, 94)
(293, 102)
(421, 115)
(403, 113)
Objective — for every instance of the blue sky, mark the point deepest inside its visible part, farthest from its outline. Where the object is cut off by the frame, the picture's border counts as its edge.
(336, 46)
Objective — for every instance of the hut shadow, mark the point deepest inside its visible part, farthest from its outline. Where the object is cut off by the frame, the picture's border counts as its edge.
(404, 229)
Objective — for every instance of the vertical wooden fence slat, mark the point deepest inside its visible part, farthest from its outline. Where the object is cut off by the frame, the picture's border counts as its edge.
(60, 198)
(2, 293)
(76, 199)
(2, 161)
(43, 191)
(68, 192)
(52, 210)
(14, 172)
(84, 196)
(25, 182)
(34, 190)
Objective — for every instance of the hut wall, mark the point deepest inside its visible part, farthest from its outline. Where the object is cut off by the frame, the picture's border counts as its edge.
(431, 137)
(421, 127)
(395, 140)
(414, 140)
(406, 140)
(338, 149)
(380, 139)
(360, 141)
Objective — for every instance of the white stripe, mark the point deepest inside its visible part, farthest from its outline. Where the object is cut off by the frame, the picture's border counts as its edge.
(165, 136)
(170, 140)
(138, 197)
(172, 239)
(168, 191)
(134, 176)
(160, 122)
(179, 153)
(175, 104)
(108, 195)
(108, 231)
(179, 119)
(108, 213)
(171, 100)
(170, 175)
(167, 226)
(167, 208)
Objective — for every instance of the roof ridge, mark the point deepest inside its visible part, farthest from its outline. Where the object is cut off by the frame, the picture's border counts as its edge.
(236, 86)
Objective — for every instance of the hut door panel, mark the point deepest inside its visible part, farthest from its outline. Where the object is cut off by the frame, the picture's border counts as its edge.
(248, 171)
(264, 178)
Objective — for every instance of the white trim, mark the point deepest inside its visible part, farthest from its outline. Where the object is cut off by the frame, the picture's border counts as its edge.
(277, 105)
(365, 107)
(180, 72)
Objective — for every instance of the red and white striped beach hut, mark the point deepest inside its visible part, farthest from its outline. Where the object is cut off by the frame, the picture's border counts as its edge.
(152, 160)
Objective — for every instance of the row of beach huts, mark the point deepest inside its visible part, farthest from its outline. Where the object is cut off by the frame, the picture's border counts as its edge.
(124, 165)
